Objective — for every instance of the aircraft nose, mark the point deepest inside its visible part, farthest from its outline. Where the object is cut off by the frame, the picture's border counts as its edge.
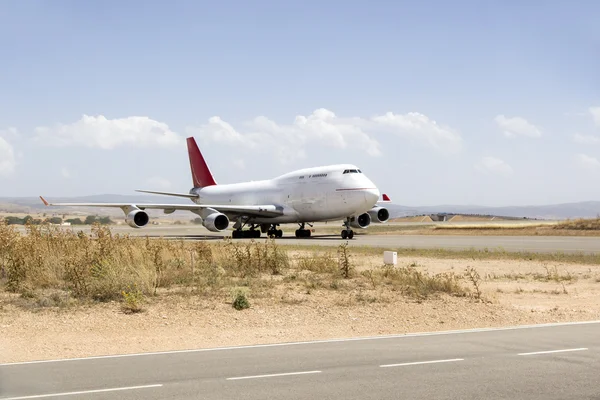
(372, 196)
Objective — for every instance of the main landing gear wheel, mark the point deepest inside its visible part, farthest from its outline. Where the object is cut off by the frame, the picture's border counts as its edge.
(302, 233)
(246, 234)
(273, 232)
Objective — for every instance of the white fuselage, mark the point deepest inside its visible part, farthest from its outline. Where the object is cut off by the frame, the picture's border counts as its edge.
(308, 195)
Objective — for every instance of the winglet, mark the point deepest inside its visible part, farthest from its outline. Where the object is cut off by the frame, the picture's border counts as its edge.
(201, 175)
(44, 201)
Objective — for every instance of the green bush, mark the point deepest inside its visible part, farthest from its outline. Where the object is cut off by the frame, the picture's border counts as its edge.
(241, 301)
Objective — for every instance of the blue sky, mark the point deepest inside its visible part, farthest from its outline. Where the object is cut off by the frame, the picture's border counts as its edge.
(462, 102)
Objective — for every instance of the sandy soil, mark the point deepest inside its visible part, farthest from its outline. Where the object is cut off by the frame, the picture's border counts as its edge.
(515, 292)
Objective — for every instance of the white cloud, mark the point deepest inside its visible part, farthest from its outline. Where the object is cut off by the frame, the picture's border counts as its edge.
(8, 161)
(586, 139)
(10, 132)
(516, 126)
(420, 127)
(104, 133)
(588, 162)
(158, 182)
(494, 165)
(64, 171)
(287, 142)
(7, 158)
(595, 111)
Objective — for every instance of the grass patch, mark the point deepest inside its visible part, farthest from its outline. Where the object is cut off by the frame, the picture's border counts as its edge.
(510, 226)
(102, 266)
(581, 224)
(466, 254)
(413, 282)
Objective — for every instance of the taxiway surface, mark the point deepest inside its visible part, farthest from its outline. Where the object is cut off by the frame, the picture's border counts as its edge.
(538, 244)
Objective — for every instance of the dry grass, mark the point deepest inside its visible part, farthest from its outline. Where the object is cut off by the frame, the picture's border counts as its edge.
(104, 267)
(495, 227)
(220, 293)
(469, 254)
(580, 225)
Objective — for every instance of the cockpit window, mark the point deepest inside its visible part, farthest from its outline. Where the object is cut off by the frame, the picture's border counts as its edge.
(352, 171)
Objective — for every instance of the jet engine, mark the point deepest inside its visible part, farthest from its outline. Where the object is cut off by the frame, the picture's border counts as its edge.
(362, 221)
(137, 219)
(216, 222)
(379, 214)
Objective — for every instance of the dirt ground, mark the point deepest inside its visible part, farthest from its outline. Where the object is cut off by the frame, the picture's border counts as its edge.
(514, 291)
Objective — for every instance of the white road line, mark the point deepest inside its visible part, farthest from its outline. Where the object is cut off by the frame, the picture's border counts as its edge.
(421, 362)
(273, 375)
(552, 351)
(351, 339)
(40, 396)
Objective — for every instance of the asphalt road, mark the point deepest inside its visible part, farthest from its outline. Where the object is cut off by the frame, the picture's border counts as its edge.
(541, 362)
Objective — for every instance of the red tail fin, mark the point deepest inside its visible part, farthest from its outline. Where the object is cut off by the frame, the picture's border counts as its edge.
(201, 175)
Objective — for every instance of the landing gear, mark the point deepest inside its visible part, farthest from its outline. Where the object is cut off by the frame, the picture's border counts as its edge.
(347, 233)
(273, 232)
(245, 234)
(302, 232)
(251, 233)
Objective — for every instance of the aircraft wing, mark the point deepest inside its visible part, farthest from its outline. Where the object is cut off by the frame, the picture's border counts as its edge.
(267, 210)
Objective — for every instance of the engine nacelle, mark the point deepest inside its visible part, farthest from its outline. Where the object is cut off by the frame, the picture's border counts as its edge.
(379, 214)
(216, 222)
(362, 221)
(137, 219)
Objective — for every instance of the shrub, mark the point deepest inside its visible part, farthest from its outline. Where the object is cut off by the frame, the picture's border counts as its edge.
(418, 284)
(251, 259)
(344, 260)
(241, 301)
(473, 276)
(132, 300)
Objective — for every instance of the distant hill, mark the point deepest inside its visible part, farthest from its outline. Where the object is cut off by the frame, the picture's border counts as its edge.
(584, 209)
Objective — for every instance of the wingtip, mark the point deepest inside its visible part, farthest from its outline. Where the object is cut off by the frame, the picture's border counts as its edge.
(44, 201)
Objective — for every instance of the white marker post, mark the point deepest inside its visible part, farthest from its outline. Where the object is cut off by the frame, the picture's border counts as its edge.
(390, 257)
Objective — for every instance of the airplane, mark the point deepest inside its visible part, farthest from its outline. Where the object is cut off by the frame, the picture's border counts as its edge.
(305, 196)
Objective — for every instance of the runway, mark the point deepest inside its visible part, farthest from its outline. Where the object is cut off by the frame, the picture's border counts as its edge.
(537, 362)
(534, 244)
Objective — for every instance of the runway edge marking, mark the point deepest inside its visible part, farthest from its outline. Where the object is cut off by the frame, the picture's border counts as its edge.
(533, 353)
(119, 389)
(406, 364)
(237, 378)
(351, 339)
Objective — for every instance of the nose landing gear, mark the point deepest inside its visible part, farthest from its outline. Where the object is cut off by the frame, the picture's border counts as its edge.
(347, 233)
